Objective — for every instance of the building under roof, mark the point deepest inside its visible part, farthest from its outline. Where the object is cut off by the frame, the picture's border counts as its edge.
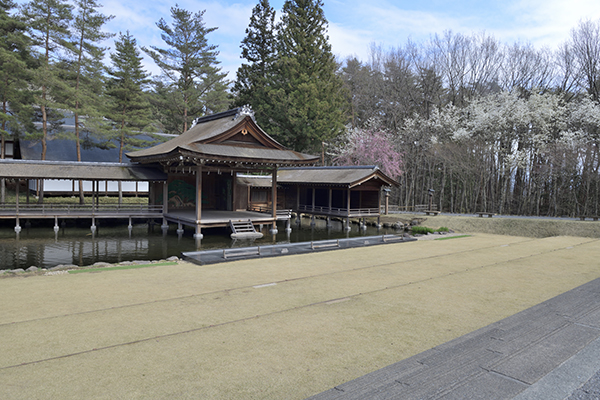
(202, 165)
(222, 167)
(345, 192)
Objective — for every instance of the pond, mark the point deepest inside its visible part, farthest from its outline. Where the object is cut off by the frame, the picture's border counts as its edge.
(40, 246)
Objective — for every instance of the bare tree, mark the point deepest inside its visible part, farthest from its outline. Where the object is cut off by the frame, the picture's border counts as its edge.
(585, 42)
(526, 68)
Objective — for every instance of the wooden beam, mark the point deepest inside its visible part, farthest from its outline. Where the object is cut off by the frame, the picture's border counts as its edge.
(166, 197)
(274, 193)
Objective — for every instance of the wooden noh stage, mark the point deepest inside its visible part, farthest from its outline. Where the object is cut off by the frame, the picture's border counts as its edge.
(202, 165)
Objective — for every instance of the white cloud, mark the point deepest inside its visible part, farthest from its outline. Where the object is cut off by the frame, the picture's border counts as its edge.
(349, 42)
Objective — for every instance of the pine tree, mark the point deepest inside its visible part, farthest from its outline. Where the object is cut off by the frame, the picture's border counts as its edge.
(15, 61)
(48, 22)
(130, 108)
(86, 65)
(49, 25)
(259, 48)
(191, 84)
(83, 75)
(308, 97)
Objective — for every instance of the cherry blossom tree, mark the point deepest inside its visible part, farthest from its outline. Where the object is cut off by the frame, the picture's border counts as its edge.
(369, 146)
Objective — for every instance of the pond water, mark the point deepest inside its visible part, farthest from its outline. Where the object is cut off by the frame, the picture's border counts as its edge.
(40, 246)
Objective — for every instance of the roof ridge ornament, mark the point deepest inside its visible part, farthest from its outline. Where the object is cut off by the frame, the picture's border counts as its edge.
(245, 110)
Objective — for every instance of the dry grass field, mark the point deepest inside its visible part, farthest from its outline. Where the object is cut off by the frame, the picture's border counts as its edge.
(278, 328)
(527, 227)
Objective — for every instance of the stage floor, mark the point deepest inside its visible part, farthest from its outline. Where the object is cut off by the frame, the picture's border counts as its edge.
(217, 218)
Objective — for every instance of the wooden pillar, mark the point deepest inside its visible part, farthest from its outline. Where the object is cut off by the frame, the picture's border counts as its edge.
(27, 190)
(313, 199)
(150, 192)
(97, 193)
(387, 203)
(330, 196)
(348, 201)
(17, 194)
(274, 193)
(198, 234)
(233, 190)
(165, 197)
(274, 200)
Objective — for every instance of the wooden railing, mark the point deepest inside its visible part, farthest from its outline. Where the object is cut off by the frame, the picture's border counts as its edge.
(78, 209)
(281, 213)
(338, 211)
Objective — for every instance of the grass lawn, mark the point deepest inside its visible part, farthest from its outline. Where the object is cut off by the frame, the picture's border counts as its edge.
(277, 328)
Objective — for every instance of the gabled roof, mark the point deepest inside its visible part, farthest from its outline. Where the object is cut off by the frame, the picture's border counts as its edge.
(331, 176)
(231, 136)
(349, 176)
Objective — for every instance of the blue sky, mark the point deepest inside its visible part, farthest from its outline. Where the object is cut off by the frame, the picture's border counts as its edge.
(354, 25)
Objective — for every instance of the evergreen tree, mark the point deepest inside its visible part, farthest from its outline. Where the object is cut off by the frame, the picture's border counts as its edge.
(191, 84)
(259, 48)
(49, 27)
(83, 75)
(86, 67)
(130, 108)
(308, 101)
(15, 60)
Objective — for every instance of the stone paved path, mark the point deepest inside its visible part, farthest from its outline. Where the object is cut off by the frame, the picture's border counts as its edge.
(504, 360)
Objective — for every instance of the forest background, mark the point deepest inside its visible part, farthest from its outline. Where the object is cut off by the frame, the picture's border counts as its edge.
(490, 126)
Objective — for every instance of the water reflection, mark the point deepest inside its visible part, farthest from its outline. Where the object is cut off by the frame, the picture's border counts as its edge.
(44, 247)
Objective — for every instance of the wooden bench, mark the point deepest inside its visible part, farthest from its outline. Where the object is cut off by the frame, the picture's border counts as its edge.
(592, 217)
(324, 244)
(241, 252)
(431, 212)
(481, 214)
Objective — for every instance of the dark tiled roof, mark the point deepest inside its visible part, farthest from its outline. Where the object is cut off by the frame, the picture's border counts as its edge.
(350, 176)
(205, 140)
(343, 176)
(33, 169)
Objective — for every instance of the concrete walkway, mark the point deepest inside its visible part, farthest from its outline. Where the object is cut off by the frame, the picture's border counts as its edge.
(547, 352)
(294, 326)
